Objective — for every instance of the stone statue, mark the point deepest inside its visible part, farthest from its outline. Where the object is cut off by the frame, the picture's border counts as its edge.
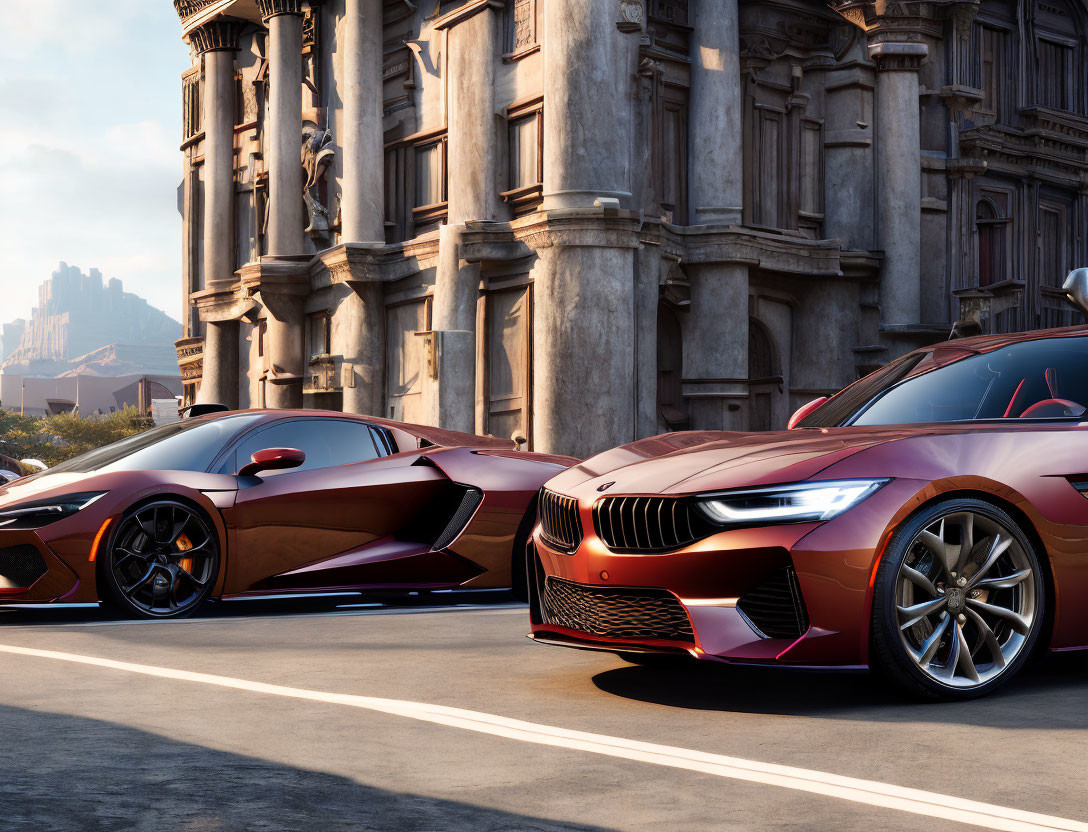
(317, 154)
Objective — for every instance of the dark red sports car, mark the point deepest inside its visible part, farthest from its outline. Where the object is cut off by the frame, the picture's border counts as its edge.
(262, 502)
(929, 521)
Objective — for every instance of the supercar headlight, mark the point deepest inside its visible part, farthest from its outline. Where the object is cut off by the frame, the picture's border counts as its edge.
(42, 513)
(786, 503)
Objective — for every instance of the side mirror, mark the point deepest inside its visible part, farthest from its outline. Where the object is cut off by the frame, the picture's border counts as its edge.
(1076, 289)
(273, 459)
(804, 411)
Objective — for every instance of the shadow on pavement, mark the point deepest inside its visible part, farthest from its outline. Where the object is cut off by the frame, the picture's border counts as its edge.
(1048, 695)
(71, 773)
(390, 601)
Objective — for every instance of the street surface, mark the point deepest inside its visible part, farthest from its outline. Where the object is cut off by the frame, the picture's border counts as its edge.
(263, 742)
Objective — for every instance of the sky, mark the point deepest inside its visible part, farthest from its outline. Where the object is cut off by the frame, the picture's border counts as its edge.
(90, 124)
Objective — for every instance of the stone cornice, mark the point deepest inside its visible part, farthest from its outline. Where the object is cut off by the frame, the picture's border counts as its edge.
(902, 57)
(903, 21)
(272, 8)
(218, 35)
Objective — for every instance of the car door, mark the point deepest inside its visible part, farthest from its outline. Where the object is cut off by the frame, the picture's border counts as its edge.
(347, 494)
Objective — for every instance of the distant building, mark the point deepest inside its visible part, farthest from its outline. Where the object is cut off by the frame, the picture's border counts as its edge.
(580, 222)
(83, 325)
(89, 394)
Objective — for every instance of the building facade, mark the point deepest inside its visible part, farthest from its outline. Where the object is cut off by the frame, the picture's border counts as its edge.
(581, 222)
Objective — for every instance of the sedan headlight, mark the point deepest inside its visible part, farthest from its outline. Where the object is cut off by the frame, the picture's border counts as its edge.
(42, 513)
(801, 503)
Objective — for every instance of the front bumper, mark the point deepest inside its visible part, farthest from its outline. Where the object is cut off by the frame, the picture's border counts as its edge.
(822, 571)
(30, 571)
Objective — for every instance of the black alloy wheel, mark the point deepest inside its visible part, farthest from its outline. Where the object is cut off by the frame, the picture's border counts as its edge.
(163, 560)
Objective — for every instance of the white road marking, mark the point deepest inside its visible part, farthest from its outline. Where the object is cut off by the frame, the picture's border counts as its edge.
(868, 792)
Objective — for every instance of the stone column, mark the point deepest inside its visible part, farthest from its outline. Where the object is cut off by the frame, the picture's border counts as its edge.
(283, 126)
(586, 86)
(217, 42)
(362, 200)
(899, 180)
(717, 142)
(473, 137)
(716, 346)
(286, 220)
(473, 195)
(584, 344)
(358, 327)
(452, 396)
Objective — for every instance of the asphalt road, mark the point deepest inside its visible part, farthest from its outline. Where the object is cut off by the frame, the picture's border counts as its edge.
(260, 744)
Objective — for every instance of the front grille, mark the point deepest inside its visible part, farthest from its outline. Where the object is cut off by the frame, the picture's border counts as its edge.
(559, 521)
(617, 612)
(646, 524)
(20, 566)
(467, 507)
(776, 607)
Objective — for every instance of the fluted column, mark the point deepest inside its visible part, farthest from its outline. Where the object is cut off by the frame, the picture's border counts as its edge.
(358, 332)
(217, 41)
(283, 128)
(899, 180)
(286, 221)
(717, 143)
(362, 196)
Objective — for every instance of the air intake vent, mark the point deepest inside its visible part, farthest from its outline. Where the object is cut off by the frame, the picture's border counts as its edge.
(776, 607)
(20, 566)
(616, 612)
(559, 521)
(646, 524)
(469, 503)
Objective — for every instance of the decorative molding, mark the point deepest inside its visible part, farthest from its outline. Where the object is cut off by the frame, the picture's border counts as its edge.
(188, 8)
(273, 8)
(219, 35)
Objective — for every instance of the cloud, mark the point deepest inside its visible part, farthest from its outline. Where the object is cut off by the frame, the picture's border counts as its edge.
(90, 116)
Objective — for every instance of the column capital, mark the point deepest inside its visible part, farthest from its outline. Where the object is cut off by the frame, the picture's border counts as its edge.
(188, 8)
(272, 8)
(218, 35)
(901, 57)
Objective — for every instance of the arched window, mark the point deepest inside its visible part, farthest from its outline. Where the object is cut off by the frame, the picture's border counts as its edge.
(992, 236)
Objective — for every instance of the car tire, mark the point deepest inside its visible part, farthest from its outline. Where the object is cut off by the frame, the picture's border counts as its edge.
(959, 602)
(519, 557)
(161, 560)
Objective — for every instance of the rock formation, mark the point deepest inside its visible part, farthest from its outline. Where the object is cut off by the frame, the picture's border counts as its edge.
(82, 324)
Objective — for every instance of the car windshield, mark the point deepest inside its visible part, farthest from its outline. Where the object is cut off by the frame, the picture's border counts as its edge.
(1040, 379)
(184, 446)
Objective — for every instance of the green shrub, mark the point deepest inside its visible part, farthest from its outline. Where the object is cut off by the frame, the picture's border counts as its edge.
(53, 439)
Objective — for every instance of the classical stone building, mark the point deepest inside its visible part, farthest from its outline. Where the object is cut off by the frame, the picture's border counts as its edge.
(579, 222)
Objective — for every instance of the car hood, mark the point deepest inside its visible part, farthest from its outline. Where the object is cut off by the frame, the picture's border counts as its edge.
(682, 463)
(47, 484)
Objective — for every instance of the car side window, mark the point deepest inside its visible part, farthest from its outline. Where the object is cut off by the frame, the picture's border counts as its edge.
(326, 442)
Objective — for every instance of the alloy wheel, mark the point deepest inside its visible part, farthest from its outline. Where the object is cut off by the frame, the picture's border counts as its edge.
(164, 559)
(966, 597)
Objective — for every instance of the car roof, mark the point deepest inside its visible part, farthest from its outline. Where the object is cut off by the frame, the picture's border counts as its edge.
(426, 433)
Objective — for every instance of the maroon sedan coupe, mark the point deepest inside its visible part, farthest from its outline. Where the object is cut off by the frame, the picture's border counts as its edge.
(267, 502)
(930, 521)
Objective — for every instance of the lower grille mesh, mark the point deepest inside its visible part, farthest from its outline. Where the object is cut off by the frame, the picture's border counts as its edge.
(617, 612)
(776, 607)
(20, 566)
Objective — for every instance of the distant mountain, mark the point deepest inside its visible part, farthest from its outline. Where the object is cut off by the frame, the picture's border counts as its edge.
(81, 325)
